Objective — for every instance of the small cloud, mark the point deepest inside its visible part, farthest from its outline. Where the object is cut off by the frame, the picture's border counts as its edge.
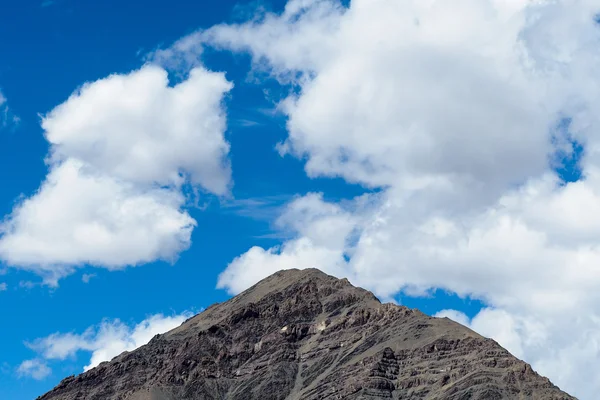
(86, 278)
(246, 123)
(47, 3)
(7, 118)
(265, 208)
(3, 287)
(5, 368)
(36, 369)
(28, 284)
(182, 56)
(103, 342)
(274, 236)
(270, 111)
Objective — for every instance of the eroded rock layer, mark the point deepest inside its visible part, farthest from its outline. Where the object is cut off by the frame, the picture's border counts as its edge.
(307, 335)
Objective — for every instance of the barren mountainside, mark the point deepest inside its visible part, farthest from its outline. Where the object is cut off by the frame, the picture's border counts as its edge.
(307, 335)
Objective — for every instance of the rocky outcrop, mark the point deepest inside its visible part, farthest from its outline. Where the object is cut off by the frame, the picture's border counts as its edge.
(307, 335)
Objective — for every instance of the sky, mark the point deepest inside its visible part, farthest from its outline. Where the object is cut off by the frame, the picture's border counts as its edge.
(157, 157)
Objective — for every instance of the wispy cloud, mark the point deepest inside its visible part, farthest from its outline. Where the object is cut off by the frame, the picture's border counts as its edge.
(266, 208)
(47, 3)
(245, 123)
(7, 118)
(28, 284)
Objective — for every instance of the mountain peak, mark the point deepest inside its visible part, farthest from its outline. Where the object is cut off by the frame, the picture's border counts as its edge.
(298, 290)
(302, 334)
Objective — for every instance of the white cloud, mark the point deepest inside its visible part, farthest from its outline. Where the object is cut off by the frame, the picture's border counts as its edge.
(136, 128)
(7, 118)
(453, 111)
(105, 341)
(388, 67)
(182, 55)
(86, 278)
(322, 231)
(28, 284)
(3, 287)
(121, 149)
(78, 218)
(566, 350)
(35, 369)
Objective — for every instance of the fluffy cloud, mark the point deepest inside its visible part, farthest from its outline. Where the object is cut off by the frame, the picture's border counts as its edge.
(35, 369)
(420, 77)
(3, 287)
(567, 353)
(139, 129)
(78, 218)
(105, 341)
(321, 230)
(458, 114)
(121, 150)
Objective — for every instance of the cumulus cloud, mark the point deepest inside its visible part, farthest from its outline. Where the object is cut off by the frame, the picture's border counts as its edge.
(137, 128)
(35, 369)
(387, 68)
(121, 150)
(567, 357)
(105, 341)
(78, 218)
(320, 230)
(457, 113)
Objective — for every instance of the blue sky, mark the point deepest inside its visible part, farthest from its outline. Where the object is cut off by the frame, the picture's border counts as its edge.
(50, 48)
(71, 42)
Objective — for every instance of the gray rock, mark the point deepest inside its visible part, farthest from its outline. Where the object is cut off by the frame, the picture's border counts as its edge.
(307, 335)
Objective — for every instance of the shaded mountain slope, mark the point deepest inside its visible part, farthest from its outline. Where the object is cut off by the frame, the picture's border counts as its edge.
(307, 335)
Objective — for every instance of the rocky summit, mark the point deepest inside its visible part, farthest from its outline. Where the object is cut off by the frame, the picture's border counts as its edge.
(307, 335)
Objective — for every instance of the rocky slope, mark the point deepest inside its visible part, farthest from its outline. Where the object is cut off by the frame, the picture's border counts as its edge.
(307, 335)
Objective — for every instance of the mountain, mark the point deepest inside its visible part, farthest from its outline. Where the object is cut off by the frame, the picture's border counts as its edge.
(307, 335)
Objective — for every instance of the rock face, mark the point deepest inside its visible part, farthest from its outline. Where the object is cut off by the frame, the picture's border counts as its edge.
(307, 335)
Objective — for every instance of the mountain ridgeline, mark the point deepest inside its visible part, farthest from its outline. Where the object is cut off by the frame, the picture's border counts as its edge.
(302, 334)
